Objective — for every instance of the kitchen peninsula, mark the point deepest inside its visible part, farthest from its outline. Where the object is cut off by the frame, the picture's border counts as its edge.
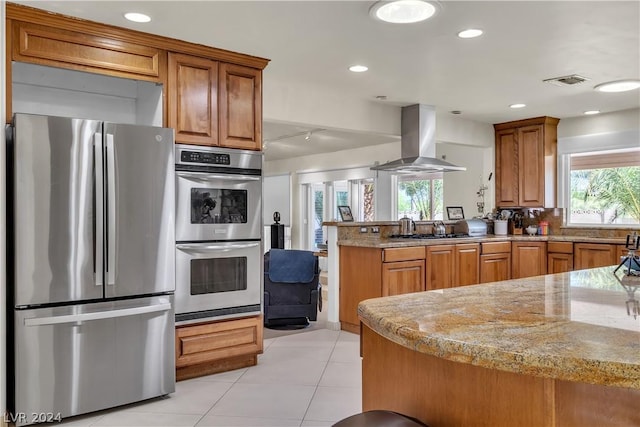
(554, 350)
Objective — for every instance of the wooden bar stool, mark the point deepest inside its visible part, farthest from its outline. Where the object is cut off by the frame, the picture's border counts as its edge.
(379, 418)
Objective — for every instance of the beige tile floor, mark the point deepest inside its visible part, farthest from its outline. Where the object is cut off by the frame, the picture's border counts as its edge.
(308, 378)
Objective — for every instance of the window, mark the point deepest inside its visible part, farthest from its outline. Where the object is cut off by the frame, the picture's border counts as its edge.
(604, 187)
(317, 209)
(421, 197)
(341, 196)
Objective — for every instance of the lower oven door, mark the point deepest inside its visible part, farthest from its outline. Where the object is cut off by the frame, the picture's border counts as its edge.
(221, 279)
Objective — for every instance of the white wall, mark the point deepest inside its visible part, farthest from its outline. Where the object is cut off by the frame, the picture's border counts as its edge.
(600, 123)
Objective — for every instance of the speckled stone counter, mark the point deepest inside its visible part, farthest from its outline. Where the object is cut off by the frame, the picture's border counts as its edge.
(552, 351)
(569, 326)
(370, 242)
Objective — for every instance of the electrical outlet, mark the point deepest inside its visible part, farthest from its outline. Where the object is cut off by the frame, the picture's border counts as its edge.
(363, 229)
(375, 229)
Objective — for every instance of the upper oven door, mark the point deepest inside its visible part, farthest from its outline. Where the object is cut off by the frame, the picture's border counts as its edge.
(217, 206)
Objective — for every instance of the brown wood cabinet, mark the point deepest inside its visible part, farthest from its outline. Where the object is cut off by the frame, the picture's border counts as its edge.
(528, 259)
(559, 257)
(467, 264)
(57, 47)
(193, 99)
(592, 255)
(240, 107)
(525, 162)
(402, 277)
(495, 261)
(207, 348)
(360, 279)
(440, 266)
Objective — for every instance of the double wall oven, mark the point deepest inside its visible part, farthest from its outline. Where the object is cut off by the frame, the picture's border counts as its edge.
(218, 233)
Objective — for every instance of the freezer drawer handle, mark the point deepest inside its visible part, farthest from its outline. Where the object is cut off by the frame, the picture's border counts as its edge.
(205, 176)
(83, 317)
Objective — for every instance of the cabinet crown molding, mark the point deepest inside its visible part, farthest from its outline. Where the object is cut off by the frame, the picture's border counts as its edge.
(544, 120)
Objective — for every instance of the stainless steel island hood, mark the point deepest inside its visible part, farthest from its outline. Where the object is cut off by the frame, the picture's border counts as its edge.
(418, 143)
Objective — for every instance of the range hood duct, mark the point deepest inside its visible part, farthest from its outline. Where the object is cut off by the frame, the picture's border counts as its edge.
(418, 143)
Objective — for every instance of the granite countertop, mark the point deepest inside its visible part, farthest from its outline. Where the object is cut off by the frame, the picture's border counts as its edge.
(569, 326)
(401, 243)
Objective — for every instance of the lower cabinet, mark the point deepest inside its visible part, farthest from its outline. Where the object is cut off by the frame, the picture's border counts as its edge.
(208, 348)
(495, 261)
(528, 259)
(467, 264)
(592, 255)
(441, 266)
(559, 257)
(402, 277)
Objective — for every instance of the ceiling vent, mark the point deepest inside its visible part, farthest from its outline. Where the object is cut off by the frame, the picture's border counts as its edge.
(571, 80)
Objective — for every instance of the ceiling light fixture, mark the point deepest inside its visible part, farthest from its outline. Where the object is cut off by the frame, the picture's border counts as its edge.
(308, 136)
(358, 68)
(618, 86)
(517, 105)
(137, 17)
(402, 11)
(470, 33)
(592, 112)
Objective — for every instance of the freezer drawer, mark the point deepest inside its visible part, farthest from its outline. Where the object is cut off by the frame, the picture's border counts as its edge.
(77, 359)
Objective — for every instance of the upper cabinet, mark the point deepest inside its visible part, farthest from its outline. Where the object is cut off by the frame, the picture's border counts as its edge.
(193, 99)
(526, 163)
(240, 107)
(213, 96)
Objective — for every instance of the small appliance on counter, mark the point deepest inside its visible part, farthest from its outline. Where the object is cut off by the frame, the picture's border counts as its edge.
(472, 227)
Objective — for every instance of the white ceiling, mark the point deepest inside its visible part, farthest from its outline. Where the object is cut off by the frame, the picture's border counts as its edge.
(314, 42)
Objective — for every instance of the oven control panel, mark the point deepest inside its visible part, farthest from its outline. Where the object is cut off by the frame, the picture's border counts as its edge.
(205, 157)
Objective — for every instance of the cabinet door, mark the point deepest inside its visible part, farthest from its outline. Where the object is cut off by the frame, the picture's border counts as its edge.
(193, 99)
(495, 267)
(440, 266)
(240, 107)
(592, 255)
(61, 48)
(528, 259)
(402, 277)
(531, 166)
(467, 264)
(506, 168)
(559, 263)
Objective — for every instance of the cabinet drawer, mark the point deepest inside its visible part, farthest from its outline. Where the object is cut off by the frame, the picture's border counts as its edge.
(560, 247)
(208, 342)
(53, 46)
(403, 254)
(496, 247)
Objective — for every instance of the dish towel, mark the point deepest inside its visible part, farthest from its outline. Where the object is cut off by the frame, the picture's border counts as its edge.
(291, 266)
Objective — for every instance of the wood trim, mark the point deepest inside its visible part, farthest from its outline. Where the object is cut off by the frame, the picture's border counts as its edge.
(225, 365)
(38, 16)
(606, 160)
(544, 120)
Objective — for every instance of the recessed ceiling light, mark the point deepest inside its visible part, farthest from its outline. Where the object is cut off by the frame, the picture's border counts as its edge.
(137, 17)
(358, 68)
(517, 105)
(402, 11)
(592, 112)
(618, 86)
(470, 33)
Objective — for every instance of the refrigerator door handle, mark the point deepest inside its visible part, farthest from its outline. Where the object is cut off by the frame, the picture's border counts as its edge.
(111, 211)
(109, 314)
(98, 218)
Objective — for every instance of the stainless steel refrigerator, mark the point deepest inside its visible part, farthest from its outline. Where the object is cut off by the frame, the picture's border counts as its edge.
(91, 264)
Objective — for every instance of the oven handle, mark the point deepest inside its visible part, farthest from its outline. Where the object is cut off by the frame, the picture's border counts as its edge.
(204, 177)
(199, 248)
